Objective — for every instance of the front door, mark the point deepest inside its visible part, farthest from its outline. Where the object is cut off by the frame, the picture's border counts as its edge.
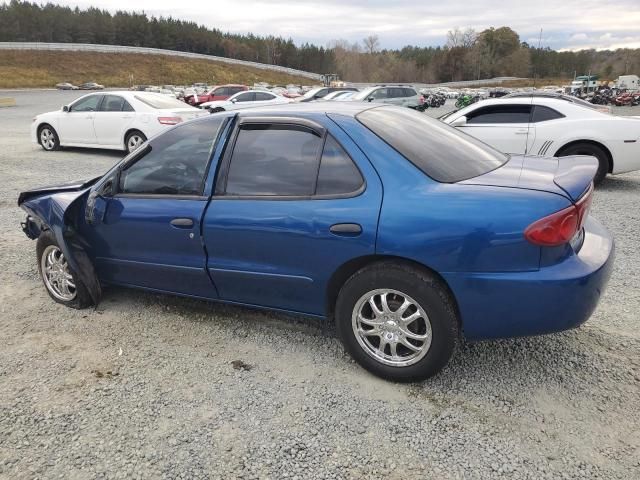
(293, 203)
(76, 125)
(148, 234)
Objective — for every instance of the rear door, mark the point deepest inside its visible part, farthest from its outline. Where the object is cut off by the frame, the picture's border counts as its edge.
(505, 127)
(148, 234)
(76, 125)
(112, 120)
(294, 200)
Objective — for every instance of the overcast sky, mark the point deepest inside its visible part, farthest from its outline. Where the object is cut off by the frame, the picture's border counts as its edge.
(568, 24)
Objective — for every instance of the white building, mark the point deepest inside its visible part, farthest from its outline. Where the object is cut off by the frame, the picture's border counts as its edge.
(631, 82)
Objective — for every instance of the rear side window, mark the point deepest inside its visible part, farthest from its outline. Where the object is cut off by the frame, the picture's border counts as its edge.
(274, 160)
(176, 163)
(234, 90)
(438, 150)
(221, 92)
(112, 103)
(543, 114)
(500, 114)
(338, 174)
(260, 96)
(409, 92)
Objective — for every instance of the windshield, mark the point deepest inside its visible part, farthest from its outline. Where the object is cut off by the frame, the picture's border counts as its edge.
(438, 150)
(312, 92)
(363, 94)
(159, 101)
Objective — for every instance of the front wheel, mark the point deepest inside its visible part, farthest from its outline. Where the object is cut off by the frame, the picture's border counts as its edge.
(134, 140)
(396, 321)
(61, 282)
(48, 138)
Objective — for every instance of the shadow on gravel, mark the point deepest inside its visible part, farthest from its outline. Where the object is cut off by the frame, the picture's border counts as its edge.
(116, 154)
(619, 183)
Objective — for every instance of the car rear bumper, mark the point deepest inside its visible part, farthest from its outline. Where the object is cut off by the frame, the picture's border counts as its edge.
(551, 299)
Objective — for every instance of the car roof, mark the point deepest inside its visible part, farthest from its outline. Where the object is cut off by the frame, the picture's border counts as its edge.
(350, 109)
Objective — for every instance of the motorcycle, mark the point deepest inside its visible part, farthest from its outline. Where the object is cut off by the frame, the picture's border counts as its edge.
(466, 100)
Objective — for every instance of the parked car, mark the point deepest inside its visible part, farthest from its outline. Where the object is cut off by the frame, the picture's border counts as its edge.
(320, 92)
(560, 96)
(91, 86)
(115, 120)
(553, 127)
(393, 95)
(66, 86)
(246, 99)
(283, 208)
(221, 92)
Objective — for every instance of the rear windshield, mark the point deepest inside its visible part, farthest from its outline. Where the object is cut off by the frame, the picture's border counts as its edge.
(440, 151)
(159, 101)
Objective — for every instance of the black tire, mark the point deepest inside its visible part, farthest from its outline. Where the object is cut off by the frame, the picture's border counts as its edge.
(422, 287)
(133, 140)
(81, 299)
(48, 138)
(593, 150)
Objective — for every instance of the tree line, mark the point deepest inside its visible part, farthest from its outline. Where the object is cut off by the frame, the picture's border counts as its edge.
(467, 55)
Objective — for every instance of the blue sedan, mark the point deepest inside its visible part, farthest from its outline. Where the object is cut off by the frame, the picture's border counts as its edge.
(406, 232)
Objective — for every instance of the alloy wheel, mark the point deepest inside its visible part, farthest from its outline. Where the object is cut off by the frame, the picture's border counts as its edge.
(134, 142)
(56, 274)
(47, 139)
(391, 327)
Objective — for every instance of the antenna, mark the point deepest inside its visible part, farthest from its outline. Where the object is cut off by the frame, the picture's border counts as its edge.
(535, 74)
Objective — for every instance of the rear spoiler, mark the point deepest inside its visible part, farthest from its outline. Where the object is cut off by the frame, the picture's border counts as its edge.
(575, 174)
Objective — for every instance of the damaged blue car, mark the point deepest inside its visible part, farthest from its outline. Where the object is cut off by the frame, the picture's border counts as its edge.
(404, 231)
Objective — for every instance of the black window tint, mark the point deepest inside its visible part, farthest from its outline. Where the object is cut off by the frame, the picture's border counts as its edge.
(274, 160)
(542, 114)
(87, 104)
(380, 93)
(338, 174)
(112, 103)
(234, 90)
(322, 93)
(219, 92)
(245, 97)
(127, 107)
(176, 163)
(261, 96)
(500, 114)
(409, 92)
(439, 150)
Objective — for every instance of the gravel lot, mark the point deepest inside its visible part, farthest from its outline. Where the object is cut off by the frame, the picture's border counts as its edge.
(147, 386)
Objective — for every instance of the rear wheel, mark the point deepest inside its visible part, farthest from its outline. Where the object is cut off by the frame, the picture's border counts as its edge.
(48, 138)
(397, 322)
(61, 282)
(134, 140)
(592, 150)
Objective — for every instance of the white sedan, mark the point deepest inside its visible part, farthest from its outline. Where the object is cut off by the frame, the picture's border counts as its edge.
(554, 128)
(113, 120)
(245, 99)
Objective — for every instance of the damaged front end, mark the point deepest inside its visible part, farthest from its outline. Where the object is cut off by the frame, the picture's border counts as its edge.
(60, 209)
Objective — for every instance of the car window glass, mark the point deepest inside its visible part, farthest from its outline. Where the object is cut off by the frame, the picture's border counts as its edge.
(500, 114)
(274, 160)
(409, 92)
(112, 103)
(176, 163)
(233, 90)
(543, 114)
(245, 97)
(219, 92)
(126, 107)
(338, 174)
(261, 96)
(322, 93)
(379, 93)
(87, 104)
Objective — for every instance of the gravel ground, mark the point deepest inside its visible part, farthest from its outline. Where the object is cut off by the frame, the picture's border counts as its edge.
(151, 386)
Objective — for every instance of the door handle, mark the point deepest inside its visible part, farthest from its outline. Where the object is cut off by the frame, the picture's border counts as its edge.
(522, 131)
(346, 229)
(182, 223)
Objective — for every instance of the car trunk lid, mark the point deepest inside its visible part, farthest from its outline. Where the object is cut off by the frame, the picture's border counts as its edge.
(567, 176)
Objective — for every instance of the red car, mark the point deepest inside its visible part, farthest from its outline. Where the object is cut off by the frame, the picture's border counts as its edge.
(221, 92)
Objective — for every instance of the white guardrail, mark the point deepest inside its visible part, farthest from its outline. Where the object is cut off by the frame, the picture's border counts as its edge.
(86, 47)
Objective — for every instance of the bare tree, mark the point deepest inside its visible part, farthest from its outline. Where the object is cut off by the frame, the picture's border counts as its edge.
(371, 43)
(460, 38)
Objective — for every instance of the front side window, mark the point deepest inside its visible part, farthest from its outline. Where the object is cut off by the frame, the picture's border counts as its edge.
(263, 96)
(245, 97)
(176, 163)
(500, 114)
(274, 160)
(87, 104)
(338, 174)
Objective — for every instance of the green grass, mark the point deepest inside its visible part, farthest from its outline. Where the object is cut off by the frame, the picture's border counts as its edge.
(38, 69)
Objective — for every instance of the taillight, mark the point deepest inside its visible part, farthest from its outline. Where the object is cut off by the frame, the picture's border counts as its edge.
(560, 227)
(169, 120)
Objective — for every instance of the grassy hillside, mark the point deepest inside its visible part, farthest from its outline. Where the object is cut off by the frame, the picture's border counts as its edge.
(32, 68)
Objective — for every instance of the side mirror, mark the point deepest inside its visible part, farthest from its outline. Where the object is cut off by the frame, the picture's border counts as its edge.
(459, 122)
(370, 99)
(65, 108)
(234, 100)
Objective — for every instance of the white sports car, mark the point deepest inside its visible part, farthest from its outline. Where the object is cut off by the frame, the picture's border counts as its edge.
(110, 120)
(245, 99)
(554, 128)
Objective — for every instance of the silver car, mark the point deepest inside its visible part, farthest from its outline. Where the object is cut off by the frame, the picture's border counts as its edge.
(393, 95)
